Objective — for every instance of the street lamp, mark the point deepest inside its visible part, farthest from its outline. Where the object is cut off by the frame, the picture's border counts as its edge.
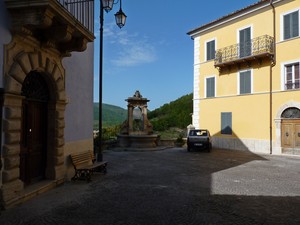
(120, 17)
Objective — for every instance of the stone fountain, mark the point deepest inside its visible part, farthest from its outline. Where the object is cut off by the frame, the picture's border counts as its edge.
(137, 131)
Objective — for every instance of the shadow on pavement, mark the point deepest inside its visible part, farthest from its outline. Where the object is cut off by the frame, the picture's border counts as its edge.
(174, 186)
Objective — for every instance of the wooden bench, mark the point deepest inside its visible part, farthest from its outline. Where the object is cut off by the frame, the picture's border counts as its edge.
(85, 165)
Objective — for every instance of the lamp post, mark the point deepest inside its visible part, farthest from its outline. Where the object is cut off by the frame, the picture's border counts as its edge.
(120, 17)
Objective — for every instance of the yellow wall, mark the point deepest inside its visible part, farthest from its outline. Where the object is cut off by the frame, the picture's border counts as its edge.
(251, 112)
(246, 110)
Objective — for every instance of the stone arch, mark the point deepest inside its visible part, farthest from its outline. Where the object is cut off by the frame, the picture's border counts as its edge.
(24, 63)
(290, 104)
(277, 120)
(19, 64)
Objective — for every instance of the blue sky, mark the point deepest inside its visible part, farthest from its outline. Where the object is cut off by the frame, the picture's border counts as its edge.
(152, 53)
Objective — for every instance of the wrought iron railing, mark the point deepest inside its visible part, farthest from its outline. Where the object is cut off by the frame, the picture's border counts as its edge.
(257, 46)
(290, 86)
(82, 10)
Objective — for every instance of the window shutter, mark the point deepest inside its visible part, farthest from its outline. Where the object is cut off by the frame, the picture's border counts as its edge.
(245, 82)
(210, 50)
(242, 84)
(245, 42)
(247, 76)
(210, 87)
(295, 24)
(291, 25)
(226, 123)
(287, 22)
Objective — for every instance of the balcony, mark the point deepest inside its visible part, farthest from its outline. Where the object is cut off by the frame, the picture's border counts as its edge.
(82, 11)
(256, 49)
(53, 23)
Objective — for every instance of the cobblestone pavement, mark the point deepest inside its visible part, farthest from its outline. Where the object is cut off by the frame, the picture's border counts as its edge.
(174, 187)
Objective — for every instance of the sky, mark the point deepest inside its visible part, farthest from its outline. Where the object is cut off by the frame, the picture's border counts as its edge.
(152, 53)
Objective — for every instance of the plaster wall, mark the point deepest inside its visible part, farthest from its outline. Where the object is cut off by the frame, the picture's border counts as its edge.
(79, 90)
(5, 36)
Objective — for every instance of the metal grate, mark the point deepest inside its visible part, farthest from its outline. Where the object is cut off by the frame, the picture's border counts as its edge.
(82, 10)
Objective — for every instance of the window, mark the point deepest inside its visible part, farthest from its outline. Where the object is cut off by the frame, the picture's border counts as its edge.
(245, 82)
(292, 76)
(226, 123)
(291, 25)
(210, 87)
(210, 50)
(245, 42)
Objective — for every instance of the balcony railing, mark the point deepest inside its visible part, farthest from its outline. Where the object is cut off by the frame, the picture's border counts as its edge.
(259, 47)
(82, 10)
(291, 86)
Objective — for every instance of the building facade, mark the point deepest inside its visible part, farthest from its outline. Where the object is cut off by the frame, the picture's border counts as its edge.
(246, 78)
(46, 83)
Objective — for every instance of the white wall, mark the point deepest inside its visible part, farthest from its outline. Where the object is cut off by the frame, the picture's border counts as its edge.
(79, 90)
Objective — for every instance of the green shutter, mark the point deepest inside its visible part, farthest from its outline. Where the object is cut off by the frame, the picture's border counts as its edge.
(226, 123)
(210, 50)
(291, 25)
(295, 24)
(210, 87)
(287, 33)
(245, 42)
(245, 82)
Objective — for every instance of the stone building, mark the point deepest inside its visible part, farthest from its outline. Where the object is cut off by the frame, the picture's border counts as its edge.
(46, 78)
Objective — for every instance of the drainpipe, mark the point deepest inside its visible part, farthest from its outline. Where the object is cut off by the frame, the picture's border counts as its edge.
(273, 63)
(1, 113)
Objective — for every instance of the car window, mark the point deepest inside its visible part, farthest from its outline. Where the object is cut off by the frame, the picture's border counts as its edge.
(198, 133)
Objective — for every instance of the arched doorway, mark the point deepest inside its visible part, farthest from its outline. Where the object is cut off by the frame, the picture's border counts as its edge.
(33, 149)
(290, 130)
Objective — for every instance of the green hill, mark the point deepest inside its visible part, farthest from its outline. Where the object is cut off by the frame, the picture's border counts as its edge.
(112, 115)
(177, 113)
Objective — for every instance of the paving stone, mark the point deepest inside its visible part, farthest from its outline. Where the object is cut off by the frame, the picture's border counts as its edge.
(171, 187)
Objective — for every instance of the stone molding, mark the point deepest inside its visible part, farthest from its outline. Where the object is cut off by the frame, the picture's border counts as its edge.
(50, 24)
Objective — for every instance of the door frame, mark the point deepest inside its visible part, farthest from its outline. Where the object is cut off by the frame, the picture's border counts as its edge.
(277, 120)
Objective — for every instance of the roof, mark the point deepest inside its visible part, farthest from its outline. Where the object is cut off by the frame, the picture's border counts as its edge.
(229, 16)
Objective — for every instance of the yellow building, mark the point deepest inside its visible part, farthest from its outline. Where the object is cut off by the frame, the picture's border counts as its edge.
(246, 78)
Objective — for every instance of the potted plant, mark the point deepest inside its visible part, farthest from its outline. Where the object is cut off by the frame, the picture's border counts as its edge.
(179, 142)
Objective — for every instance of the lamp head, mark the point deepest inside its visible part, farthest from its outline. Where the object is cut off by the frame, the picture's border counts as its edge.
(120, 18)
(107, 5)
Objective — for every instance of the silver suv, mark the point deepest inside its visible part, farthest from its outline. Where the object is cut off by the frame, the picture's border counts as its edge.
(199, 139)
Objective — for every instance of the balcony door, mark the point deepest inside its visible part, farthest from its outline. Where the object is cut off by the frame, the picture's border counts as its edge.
(245, 42)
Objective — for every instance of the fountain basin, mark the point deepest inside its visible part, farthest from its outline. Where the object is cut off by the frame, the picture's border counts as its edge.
(137, 141)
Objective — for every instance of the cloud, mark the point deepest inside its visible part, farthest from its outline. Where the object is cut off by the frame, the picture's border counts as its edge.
(135, 54)
(132, 49)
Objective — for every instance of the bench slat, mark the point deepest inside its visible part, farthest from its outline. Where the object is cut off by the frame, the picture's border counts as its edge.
(84, 165)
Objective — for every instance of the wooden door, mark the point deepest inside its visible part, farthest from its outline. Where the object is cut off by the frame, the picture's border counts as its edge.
(287, 134)
(290, 133)
(33, 141)
(297, 135)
